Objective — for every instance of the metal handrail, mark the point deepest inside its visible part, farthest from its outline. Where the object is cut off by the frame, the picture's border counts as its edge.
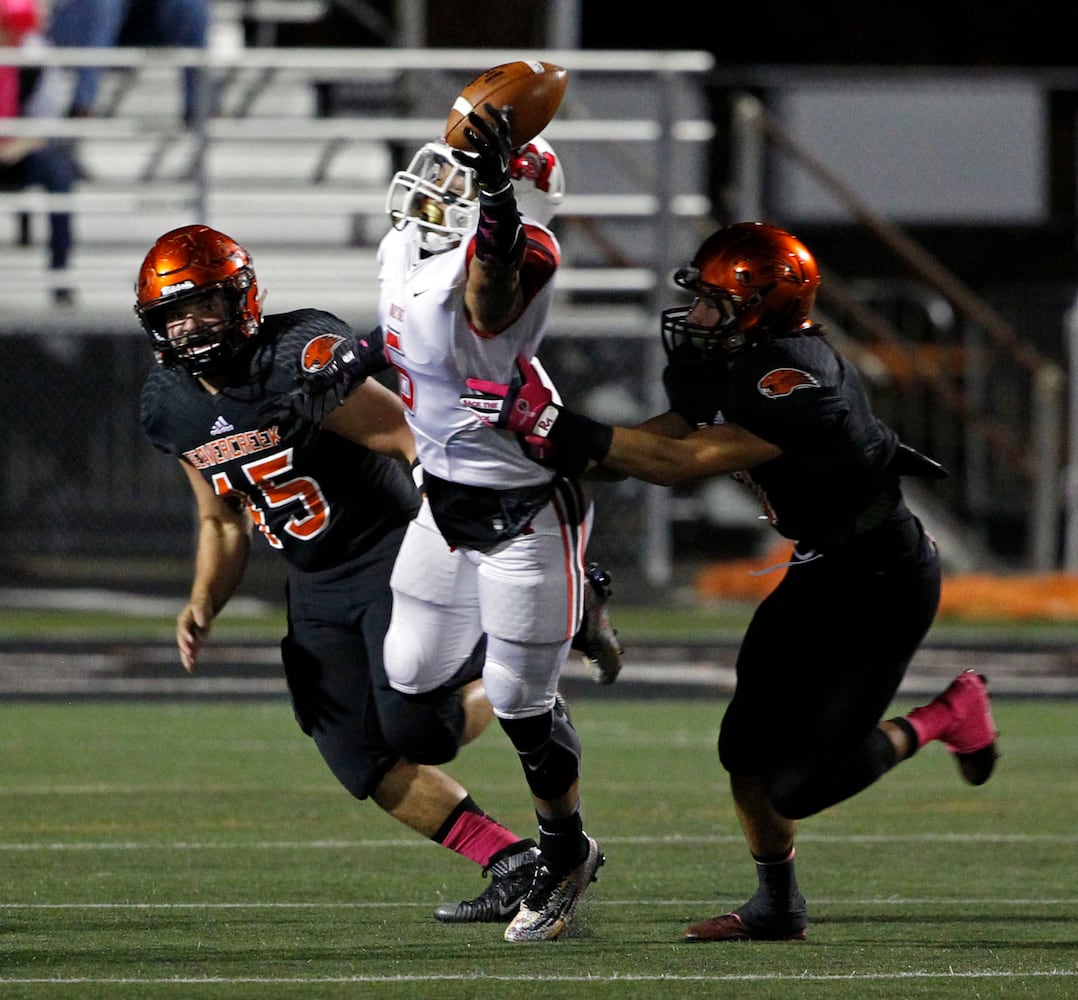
(1037, 460)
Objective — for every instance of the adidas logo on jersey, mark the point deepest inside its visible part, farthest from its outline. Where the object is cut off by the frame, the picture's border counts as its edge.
(221, 426)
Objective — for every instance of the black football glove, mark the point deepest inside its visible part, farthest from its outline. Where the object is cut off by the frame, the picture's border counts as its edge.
(490, 161)
(499, 238)
(319, 392)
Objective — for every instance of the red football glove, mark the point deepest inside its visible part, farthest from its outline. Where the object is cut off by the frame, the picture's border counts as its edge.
(525, 406)
(552, 434)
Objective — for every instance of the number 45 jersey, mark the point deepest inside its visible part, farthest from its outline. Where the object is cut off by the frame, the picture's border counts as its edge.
(319, 499)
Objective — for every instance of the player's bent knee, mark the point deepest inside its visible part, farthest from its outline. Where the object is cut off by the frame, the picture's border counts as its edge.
(404, 656)
(425, 728)
(792, 795)
(360, 770)
(549, 750)
(735, 755)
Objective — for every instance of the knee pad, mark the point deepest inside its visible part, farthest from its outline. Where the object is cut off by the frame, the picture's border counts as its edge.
(521, 679)
(549, 750)
(424, 728)
(429, 646)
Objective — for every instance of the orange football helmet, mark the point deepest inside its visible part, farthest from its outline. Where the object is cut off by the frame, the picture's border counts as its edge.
(194, 266)
(763, 280)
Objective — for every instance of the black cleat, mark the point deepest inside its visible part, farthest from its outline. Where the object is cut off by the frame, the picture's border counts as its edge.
(512, 871)
(596, 638)
(731, 927)
(754, 922)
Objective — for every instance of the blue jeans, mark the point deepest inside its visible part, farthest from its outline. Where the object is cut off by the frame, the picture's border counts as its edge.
(109, 23)
(54, 170)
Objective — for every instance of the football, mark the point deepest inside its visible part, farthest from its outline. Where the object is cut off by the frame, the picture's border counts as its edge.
(534, 90)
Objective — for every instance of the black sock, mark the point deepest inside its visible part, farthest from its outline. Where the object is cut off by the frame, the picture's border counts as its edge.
(911, 734)
(561, 841)
(777, 894)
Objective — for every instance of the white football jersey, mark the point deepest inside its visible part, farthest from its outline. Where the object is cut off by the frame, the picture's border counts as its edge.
(434, 349)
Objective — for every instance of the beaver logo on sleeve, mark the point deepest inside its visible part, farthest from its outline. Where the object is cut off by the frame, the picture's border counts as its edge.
(783, 381)
(318, 352)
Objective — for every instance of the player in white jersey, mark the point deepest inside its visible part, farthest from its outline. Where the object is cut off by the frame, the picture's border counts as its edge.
(499, 543)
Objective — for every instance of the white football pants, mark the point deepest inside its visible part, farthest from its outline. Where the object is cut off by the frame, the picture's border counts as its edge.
(525, 594)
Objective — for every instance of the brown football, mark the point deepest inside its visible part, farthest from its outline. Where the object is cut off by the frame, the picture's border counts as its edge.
(534, 90)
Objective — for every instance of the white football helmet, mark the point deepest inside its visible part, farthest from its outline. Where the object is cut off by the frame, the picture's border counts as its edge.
(440, 195)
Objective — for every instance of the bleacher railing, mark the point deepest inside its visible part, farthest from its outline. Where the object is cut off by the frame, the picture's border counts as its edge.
(633, 133)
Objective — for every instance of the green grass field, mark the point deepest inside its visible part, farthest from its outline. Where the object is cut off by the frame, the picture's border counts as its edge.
(197, 850)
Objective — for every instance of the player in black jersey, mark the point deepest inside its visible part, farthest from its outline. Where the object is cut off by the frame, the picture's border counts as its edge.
(756, 390)
(335, 502)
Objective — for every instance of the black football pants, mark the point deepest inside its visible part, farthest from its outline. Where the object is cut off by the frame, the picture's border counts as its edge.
(332, 654)
(821, 661)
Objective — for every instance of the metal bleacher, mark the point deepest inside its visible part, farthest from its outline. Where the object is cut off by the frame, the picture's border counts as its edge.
(294, 163)
(299, 175)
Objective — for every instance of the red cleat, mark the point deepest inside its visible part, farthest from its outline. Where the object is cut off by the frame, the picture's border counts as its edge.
(730, 927)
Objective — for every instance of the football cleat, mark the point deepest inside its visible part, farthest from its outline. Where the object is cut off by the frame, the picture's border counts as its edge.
(552, 900)
(596, 638)
(511, 871)
(970, 733)
(732, 927)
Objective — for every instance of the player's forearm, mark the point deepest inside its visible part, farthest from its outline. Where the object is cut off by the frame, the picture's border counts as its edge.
(492, 296)
(649, 457)
(673, 460)
(220, 562)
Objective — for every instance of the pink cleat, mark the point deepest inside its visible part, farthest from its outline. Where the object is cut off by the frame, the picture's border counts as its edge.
(961, 718)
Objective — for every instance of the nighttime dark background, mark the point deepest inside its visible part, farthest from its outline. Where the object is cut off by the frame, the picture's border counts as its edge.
(816, 37)
(781, 32)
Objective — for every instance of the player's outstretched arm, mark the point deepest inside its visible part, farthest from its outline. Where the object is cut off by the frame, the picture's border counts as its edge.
(318, 392)
(373, 416)
(224, 540)
(665, 450)
(493, 294)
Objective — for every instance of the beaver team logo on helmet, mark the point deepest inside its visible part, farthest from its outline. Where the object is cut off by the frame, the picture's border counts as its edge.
(762, 279)
(187, 267)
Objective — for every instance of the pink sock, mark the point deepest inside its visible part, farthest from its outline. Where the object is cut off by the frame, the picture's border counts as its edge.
(929, 721)
(478, 837)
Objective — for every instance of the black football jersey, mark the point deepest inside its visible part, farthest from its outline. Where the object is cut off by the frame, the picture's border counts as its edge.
(318, 498)
(798, 393)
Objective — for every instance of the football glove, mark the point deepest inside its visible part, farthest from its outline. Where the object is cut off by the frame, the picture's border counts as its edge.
(499, 236)
(526, 406)
(318, 393)
(490, 161)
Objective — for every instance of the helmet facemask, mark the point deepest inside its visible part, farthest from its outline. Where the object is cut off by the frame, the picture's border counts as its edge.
(438, 195)
(697, 340)
(199, 330)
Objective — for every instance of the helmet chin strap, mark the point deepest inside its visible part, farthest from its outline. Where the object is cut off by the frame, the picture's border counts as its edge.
(734, 341)
(738, 338)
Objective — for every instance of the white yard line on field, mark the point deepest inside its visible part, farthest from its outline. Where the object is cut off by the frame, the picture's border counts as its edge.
(804, 977)
(383, 905)
(394, 843)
